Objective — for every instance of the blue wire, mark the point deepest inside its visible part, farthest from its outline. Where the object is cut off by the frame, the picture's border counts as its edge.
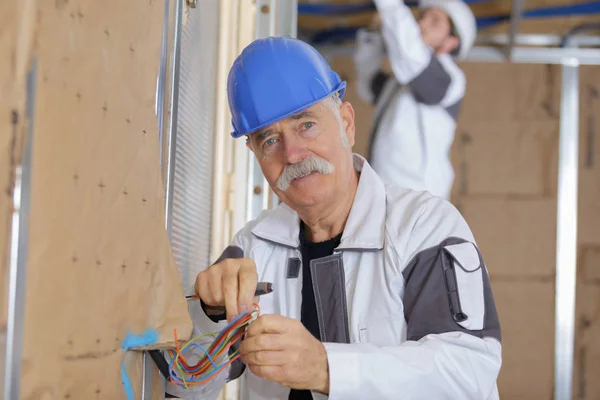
(216, 368)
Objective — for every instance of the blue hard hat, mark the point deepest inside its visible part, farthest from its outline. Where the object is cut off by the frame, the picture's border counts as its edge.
(274, 78)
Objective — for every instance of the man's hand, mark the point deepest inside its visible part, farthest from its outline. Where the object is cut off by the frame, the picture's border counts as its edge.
(280, 349)
(228, 285)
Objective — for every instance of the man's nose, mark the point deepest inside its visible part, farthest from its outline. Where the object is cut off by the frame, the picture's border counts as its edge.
(294, 150)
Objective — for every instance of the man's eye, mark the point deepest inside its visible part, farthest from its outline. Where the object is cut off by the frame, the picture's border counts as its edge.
(308, 125)
(269, 142)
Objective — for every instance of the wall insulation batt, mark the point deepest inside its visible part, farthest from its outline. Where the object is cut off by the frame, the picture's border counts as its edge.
(99, 263)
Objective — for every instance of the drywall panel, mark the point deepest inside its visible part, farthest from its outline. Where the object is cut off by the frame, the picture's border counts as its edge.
(99, 260)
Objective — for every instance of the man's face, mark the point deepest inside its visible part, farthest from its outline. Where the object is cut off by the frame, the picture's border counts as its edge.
(307, 158)
(436, 28)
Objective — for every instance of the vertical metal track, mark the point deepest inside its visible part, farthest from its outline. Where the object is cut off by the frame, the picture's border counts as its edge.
(287, 16)
(173, 107)
(566, 232)
(515, 19)
(162, 81)
(147, 369)
(18, 250)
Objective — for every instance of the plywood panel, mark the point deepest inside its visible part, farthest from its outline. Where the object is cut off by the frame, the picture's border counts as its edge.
(99, 261)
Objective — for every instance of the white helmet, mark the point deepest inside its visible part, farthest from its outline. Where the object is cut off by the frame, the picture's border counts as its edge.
(462, 17)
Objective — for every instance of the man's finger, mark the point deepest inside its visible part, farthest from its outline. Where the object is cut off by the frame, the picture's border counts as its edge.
(265, 342)
(230, 288)
(247, 279)
(271, 323)
(203, 290)
(267, 357)
(214, 285)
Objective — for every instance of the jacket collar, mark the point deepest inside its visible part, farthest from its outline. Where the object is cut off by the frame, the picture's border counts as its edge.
(365, 228)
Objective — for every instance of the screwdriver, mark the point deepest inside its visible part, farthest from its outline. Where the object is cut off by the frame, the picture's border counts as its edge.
(262, 288)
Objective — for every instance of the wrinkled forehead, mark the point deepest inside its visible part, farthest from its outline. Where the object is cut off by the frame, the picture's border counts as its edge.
(315, 112)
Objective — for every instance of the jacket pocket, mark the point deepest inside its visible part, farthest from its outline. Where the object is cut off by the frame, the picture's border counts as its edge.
(463, 274)
(382, 330)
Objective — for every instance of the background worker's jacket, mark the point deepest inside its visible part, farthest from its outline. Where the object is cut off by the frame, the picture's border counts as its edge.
(416, 106)
(406, 264)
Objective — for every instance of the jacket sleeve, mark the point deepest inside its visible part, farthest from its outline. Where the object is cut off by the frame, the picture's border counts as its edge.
(368, 60)
(452, 348)
(204, 324)
(432, 79)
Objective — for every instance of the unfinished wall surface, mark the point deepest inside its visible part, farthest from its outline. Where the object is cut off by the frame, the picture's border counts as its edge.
(99, 264)
(505, 157)
(16, 39)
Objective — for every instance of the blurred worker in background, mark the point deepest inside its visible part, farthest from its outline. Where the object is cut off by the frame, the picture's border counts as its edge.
(379, 291)
(418, 104)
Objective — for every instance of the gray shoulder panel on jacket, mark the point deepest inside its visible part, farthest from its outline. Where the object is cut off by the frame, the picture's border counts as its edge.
(454, 110)
(431, 304)
(431, 85)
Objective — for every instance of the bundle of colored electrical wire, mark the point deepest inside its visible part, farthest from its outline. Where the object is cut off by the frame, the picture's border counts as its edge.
(212, 360)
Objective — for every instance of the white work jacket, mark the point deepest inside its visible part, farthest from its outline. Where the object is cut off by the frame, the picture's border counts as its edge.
(416, 106)
(404, 304)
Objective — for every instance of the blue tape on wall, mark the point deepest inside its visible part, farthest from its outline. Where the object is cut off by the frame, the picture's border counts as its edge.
(131, 340)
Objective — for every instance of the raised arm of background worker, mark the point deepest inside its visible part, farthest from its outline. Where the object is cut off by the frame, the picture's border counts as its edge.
(442, 358)
(433, 79)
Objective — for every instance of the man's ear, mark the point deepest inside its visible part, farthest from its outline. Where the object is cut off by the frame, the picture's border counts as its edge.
(448, 45)
(347, 113)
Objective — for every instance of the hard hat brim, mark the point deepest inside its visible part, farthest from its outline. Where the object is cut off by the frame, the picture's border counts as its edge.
(341, 88)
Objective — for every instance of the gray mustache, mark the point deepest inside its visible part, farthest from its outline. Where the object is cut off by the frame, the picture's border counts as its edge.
(302, 169)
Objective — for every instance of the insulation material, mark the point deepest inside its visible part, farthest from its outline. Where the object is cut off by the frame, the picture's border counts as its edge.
(586, 385)
(517, 91)
(99, 261)
(507, 135)
(517, 237)
(526, 315)
(344, 66)
(506, 158)
(589, 155)
(590, 264)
